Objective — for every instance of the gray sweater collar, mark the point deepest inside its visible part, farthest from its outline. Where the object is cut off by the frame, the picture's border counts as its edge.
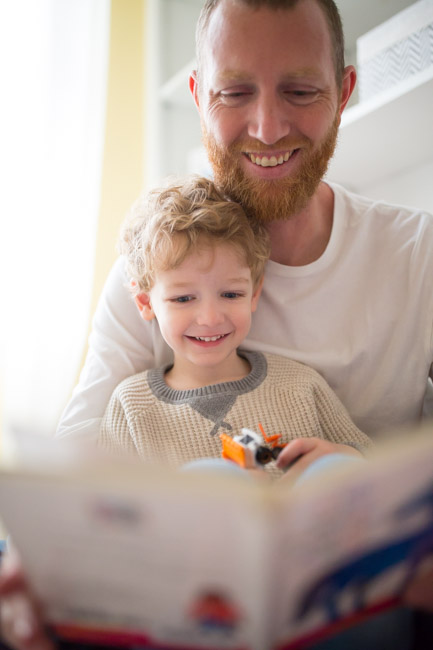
(257, 374)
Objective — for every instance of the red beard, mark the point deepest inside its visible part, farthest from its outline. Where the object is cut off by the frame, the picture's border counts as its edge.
(276, 199)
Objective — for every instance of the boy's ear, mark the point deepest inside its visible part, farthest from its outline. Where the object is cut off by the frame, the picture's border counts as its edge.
(142, 300)
(256, 295)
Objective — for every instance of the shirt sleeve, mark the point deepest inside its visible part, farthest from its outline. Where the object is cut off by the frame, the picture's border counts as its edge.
(120, 344)
(335, 421)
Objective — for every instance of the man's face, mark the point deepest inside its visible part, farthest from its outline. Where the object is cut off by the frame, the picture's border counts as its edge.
(269, 104)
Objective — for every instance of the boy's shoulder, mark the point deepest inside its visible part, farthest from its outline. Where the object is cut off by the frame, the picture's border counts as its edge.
(134, 392)
(283, 370)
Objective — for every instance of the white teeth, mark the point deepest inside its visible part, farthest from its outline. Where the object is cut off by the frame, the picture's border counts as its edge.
(273, 161)
(208, 338)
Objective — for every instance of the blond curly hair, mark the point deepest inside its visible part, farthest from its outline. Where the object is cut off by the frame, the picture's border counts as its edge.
(168, 222)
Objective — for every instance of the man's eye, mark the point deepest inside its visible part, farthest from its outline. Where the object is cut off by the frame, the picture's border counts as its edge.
(233, 96)
(301, 96)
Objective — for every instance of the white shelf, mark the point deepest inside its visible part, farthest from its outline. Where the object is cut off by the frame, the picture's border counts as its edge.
(387, 134)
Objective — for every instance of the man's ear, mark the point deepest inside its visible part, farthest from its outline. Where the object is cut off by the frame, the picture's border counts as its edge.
(142, 300)
(347, 86)
(256, 295)
(193, 86)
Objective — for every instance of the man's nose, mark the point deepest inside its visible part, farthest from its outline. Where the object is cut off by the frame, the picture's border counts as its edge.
(269, 120)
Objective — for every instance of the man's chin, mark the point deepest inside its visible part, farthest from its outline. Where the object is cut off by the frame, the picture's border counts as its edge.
(273, 199)
(269, 200)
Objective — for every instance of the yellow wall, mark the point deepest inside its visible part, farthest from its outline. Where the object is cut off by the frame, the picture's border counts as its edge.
(123, 165)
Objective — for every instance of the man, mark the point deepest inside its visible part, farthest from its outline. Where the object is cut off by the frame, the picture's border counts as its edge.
(348, 288)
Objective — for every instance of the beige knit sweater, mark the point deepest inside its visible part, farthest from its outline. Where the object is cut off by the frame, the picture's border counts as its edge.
(147, 418)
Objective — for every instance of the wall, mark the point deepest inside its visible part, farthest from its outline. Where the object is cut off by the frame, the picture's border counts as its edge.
(124, 159)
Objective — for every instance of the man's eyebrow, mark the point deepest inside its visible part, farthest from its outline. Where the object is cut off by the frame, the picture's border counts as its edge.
(232, 75)
(301, 73)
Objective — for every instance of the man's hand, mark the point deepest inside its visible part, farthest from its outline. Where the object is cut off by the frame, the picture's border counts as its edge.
(298, 454)
(21, 622)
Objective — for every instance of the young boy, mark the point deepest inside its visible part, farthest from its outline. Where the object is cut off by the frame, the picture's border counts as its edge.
(196, 264)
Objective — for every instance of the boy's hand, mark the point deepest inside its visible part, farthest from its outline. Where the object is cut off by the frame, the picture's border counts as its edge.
(21, 623)
(298, 454)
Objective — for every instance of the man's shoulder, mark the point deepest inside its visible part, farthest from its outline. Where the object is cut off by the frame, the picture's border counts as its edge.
(354, 203)
(399, 230)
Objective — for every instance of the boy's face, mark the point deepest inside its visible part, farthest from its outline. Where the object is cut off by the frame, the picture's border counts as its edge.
(204, 306)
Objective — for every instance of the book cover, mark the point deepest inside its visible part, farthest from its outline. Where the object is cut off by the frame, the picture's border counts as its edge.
(126, 554)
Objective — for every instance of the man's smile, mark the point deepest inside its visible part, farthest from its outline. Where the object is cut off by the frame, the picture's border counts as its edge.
(269, 160)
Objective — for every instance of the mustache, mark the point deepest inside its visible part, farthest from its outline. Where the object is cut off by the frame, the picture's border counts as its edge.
(252, 145)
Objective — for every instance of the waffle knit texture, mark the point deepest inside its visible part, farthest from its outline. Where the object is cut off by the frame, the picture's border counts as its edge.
(146, 417)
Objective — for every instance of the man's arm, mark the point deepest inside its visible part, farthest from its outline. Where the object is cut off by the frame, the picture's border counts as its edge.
(120, 344)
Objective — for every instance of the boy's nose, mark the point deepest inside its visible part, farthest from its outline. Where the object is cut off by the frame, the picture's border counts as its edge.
(209, 314)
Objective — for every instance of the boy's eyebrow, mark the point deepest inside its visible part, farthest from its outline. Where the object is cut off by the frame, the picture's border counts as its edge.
(239, 278)
(180, 285)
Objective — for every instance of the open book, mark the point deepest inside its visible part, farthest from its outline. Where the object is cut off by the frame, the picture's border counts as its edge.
(125, 554)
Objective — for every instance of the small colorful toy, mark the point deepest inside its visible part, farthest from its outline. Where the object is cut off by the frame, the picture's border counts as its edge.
(249, 450)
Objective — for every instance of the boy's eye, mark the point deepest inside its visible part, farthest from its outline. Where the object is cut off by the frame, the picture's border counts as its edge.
(231, 294)
(181, 299)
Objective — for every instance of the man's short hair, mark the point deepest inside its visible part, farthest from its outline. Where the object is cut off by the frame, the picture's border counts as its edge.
(328, 7)
(169, 222)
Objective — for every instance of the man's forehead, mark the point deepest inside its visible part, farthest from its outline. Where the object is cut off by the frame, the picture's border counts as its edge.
(231, 18)
(230, 8)
(295, 45)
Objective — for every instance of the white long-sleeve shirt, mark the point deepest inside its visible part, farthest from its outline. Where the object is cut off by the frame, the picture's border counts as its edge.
(361, 315)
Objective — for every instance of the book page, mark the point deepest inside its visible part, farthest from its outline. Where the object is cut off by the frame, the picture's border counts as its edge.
(160, 559)
(349, 545)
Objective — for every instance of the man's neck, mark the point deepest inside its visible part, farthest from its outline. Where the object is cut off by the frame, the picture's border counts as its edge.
(302, 239)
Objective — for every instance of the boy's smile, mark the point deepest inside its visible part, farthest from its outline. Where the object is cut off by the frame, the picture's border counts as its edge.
(208, 340)
(204, 308)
